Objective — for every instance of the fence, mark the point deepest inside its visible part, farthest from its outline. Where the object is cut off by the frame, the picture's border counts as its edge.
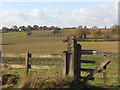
(72, 62)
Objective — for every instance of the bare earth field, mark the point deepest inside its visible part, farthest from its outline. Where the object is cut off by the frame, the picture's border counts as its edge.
(19, 43)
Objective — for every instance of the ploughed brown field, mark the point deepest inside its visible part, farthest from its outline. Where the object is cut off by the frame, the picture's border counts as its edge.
(19, 43)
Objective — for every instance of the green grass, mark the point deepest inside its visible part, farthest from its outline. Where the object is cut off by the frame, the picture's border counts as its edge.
(32, 72)
(35, 72)
(58, 72)
(14, 35)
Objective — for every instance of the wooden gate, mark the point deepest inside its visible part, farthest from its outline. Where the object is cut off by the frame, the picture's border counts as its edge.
(72, 60)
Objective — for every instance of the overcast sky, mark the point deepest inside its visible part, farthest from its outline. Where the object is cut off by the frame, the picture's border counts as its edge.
(62, 14)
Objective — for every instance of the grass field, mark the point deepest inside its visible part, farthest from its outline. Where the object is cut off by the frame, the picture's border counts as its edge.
(19, 43)
(53, 76)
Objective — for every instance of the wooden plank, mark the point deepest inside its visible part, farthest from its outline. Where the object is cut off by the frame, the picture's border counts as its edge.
(86, 61)
(88, 70)
(97, 69)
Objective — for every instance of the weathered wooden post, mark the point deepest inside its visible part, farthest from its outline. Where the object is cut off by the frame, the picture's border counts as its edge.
(72, 50)
(72, 58)
(27, 65)
(78, 68)
(64, 55)
(65, 67)
(104, 72)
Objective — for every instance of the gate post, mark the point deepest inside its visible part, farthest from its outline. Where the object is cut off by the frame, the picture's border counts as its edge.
(65, 66)
(78, 68)
(72, 50)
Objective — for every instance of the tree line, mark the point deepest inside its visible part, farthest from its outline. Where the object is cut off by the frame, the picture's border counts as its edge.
(80, 32)
(15, 28)
(96, 33)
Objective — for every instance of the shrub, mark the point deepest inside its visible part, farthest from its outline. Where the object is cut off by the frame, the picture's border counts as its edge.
(96, 33)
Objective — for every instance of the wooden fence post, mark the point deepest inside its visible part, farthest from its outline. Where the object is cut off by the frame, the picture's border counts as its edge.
(65, 66)
(27, 65)
(26, 62)
(78, 68)
(104, 72)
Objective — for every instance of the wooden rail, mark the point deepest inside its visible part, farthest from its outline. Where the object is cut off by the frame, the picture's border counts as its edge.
(86, 61)
(72, 62)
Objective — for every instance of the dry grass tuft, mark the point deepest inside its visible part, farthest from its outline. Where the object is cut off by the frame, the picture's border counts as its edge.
(8, 80)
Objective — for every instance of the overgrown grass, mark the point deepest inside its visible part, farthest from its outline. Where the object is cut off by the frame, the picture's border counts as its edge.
(44, 79)
(51, 73)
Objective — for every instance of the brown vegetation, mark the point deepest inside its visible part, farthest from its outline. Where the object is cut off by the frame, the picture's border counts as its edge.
(96, 33)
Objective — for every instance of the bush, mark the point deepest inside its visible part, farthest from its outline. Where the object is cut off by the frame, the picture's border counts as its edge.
(96, 33)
